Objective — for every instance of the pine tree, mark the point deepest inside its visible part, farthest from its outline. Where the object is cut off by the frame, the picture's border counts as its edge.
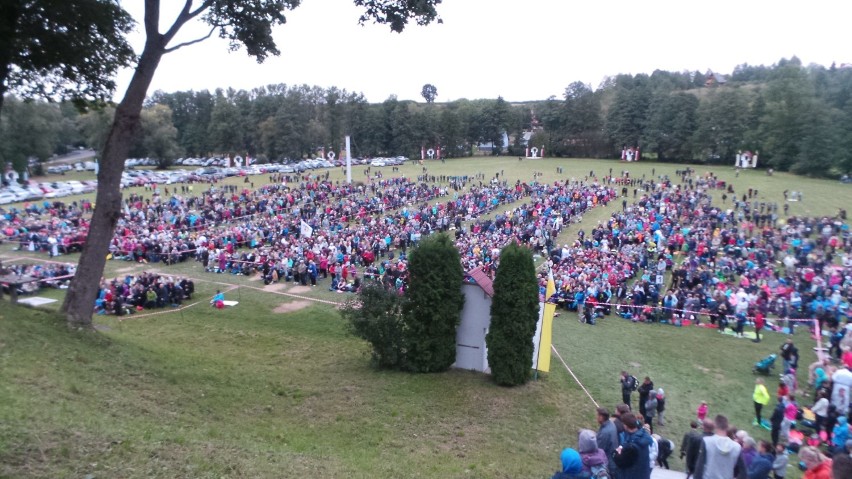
(435, 301)
(514, 314)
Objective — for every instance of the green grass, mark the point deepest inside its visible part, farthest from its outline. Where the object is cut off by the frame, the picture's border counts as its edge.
(247, 392)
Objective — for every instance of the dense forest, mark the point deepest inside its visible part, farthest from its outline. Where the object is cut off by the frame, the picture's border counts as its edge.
(798, 117)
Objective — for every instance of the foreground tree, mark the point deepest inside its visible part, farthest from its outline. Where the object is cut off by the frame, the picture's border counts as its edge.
(375, 315)
(435, 301)
(245, 23)
(59, 49)
(514, 313)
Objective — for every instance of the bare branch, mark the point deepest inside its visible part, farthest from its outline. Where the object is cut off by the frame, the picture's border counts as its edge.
(186, 14)
(192, 42)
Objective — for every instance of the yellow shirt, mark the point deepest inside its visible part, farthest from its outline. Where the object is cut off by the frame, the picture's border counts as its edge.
(761, 395)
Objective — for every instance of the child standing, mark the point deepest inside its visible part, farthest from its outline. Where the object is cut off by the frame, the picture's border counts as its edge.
(702, 411)
(779, 465)
(661, 407)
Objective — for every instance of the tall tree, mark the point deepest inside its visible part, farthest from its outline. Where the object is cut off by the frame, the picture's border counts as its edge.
(28, 130)
(723, 122)
(435, 301)
(158, 138)
(245, 23)
(429, 93)
(671, 125)
(514, 314)
(61, 49)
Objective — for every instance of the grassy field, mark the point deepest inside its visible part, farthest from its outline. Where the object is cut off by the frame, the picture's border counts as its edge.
(252, 392)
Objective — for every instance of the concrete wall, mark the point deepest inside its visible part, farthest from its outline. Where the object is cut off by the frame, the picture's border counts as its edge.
(471, 352)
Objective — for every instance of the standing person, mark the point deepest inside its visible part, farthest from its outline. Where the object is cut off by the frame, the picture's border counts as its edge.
(761, 398)
(775, 421)
(720, 456)
(761, 465)
(789, 354)
(701, 412)
(651, 410)
(607, 437)
(620, 410)
(779, 465)
(759, 323)
(691, 445)
(661, 407)
(644, 391)
(628, 385)
(632, 456)
(820, 410)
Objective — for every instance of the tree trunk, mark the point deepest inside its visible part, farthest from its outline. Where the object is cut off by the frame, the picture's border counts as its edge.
(83, 291)
(10, 12)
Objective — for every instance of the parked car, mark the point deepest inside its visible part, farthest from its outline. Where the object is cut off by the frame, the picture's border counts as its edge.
(7, 197)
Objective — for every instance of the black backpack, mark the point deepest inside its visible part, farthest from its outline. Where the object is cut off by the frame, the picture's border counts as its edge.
(629, 455)
(633, 383)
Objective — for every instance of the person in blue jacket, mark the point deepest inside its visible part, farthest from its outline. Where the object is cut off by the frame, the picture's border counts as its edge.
(635, 443)
(572, 465)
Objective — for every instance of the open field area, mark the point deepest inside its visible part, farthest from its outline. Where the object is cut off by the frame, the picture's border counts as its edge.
(277, 387)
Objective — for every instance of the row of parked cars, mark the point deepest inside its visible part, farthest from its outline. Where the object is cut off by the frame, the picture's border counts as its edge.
(82, 166)
(45, 190)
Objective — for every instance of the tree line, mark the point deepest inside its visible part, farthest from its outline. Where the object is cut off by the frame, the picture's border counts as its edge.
(798, 117)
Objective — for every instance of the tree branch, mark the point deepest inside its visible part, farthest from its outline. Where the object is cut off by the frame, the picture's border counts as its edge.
(191, 42)
(186, 14)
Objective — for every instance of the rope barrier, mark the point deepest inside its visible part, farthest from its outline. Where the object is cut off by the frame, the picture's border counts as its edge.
(553, 348)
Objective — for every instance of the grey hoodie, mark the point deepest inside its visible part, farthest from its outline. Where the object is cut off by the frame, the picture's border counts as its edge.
(719, 458)
(590, 453)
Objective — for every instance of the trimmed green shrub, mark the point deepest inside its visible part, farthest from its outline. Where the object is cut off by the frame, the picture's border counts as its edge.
(514, 314)
(434, 301)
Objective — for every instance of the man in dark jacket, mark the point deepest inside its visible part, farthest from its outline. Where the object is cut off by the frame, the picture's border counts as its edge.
(790, 355)
(691, 445)
(607, 436)
(644, 392)
(628, 385)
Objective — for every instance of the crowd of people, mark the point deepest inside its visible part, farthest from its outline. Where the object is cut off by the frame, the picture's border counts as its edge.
(670, 254)
(50, 275)
(673, 255)
(145, 291)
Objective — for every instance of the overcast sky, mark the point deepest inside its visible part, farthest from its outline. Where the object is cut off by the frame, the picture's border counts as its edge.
(518, 49)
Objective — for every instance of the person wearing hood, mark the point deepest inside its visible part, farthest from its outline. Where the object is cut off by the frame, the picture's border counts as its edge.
(841, 434)
(761, 465)
(661, 407)
(572, 465)
(720, 456)
(632, 456)
(593, 457)
(651, 409)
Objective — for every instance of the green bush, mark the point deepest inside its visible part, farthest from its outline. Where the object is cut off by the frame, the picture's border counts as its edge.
(375, 315)
(434, 304)
(514, 314)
